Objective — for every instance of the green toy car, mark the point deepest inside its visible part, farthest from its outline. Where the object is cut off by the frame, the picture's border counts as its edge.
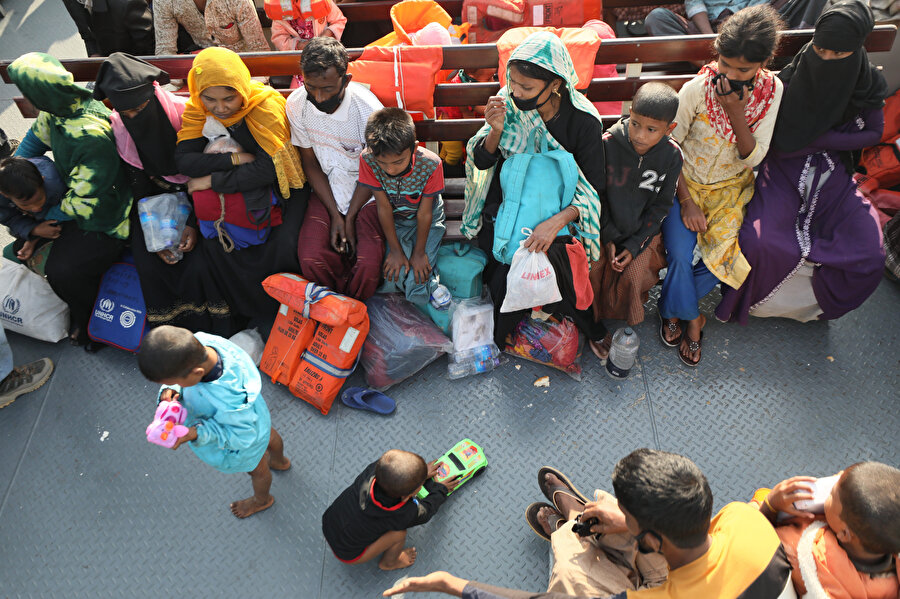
(466, 459)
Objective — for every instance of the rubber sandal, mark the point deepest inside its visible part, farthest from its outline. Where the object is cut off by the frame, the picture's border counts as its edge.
(693, 346)
(665, 324)
(368, 399)
(596, 346)
(531, 516)
(563, 491)
(548, 491)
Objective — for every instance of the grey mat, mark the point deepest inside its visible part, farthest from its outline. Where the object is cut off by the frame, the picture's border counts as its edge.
(90, 509)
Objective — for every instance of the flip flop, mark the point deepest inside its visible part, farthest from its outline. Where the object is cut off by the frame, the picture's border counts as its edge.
(531, 516)
(550, 491)
(692, 347)
(368, 399)
(663, 325)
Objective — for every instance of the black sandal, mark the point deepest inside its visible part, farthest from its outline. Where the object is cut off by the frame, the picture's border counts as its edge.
(664, 324)
(531, 516)
(693, 346)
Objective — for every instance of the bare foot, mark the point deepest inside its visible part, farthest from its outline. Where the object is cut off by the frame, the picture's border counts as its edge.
(249, 506)
(406, 558)
(284, 464)
(568, 505)
(601, 348)
(549, 519)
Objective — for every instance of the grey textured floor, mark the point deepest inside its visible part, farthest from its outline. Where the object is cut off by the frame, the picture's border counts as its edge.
(89, 509)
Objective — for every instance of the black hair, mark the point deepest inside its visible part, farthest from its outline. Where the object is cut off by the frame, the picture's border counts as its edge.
(169, 352)
(666, 493)
(656, 100)
(751, 33)
(390, 130)
(533, 71)
(870, 505)
(398, 473)
(322, 53)
(19, 178)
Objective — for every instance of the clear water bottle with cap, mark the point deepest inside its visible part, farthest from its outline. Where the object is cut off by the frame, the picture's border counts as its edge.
(483, 358)
(623, 353)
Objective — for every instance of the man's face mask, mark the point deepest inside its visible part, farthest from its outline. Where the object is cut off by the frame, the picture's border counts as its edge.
(735, 86)
(531, 103)
(330, 105)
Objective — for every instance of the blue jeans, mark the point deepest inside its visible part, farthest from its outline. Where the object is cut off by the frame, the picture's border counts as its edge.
(685, 282)
(6, 357)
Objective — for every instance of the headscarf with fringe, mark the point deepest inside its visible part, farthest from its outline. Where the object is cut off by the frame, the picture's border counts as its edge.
(546, 50)
(262, 110)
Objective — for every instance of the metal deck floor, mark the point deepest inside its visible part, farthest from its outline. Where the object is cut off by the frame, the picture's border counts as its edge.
(90, 509)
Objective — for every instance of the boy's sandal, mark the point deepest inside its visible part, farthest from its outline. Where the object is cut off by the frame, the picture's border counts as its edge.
(664, 325)
(549, 491)
(693, 346)
(601, 348)
(531, 516)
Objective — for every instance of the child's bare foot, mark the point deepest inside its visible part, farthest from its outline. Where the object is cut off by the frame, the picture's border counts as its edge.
(249, 506)
(406, 558)
(280, 465)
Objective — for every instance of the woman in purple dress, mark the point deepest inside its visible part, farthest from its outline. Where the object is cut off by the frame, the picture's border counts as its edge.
(812, 240)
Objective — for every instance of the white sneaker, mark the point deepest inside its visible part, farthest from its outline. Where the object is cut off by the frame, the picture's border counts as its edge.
(24, 379)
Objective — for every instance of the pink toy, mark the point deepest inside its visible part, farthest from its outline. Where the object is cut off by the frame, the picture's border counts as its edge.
(166, 427)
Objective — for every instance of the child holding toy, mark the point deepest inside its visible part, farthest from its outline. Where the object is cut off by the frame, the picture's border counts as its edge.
(229, 426)
(371, 516)
(407, 181)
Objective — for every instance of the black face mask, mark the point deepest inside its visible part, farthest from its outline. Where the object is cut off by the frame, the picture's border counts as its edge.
(531, 103)
(330, 105)
(640, 537)
(736, 87)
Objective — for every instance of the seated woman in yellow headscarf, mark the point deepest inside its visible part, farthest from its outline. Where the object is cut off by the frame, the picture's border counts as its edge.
(249, 203)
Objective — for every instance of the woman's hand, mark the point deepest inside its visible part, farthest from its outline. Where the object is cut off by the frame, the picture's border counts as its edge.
(420, 265)
(618, 262)
(785, 493)
(394, 263)
(543, 235)
(246, 157)
(188, 239)
(495, 113)
(199, 184)
(167, 256)
(693, 217)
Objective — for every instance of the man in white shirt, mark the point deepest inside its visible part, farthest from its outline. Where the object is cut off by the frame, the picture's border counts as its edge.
(341, 243)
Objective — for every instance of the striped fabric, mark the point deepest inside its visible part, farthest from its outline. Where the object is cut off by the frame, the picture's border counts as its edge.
(545, 50)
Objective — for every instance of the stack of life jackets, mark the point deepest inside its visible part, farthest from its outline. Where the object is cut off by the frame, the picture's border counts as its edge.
(316, 339)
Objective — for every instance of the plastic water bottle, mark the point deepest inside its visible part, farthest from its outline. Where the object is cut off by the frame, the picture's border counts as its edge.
(440, 297)
(623, 353)
(483, 358)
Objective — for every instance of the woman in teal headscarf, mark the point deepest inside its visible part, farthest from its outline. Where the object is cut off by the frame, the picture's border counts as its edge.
(77, 129)
(539, 93)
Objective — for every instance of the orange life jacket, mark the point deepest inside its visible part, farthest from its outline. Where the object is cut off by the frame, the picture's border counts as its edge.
(582, 45)
(286, 10)
(882, 162)
(489, 19)
(401, 76)
(409, 16)
(317, 336)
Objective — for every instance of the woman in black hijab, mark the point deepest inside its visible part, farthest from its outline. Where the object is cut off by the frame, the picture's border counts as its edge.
(812, 240)
(145, 121)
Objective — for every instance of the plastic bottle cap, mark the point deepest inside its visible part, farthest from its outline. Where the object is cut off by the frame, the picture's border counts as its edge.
(628, 331)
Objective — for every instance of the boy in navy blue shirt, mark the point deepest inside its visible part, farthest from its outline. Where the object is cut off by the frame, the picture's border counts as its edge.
(30, 192)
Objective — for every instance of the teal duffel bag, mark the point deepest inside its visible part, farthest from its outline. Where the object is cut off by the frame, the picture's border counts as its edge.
(535, 187)
(460, 265)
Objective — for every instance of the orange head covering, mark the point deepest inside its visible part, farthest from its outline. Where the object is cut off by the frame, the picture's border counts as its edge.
(262, 109)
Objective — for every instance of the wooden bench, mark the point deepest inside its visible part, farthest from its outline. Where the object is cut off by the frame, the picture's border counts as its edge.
(630, 53)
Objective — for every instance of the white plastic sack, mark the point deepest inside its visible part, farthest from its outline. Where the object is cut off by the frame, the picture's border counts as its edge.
(472, 323)
(29, 305)
(251, 342)
(531, 281)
